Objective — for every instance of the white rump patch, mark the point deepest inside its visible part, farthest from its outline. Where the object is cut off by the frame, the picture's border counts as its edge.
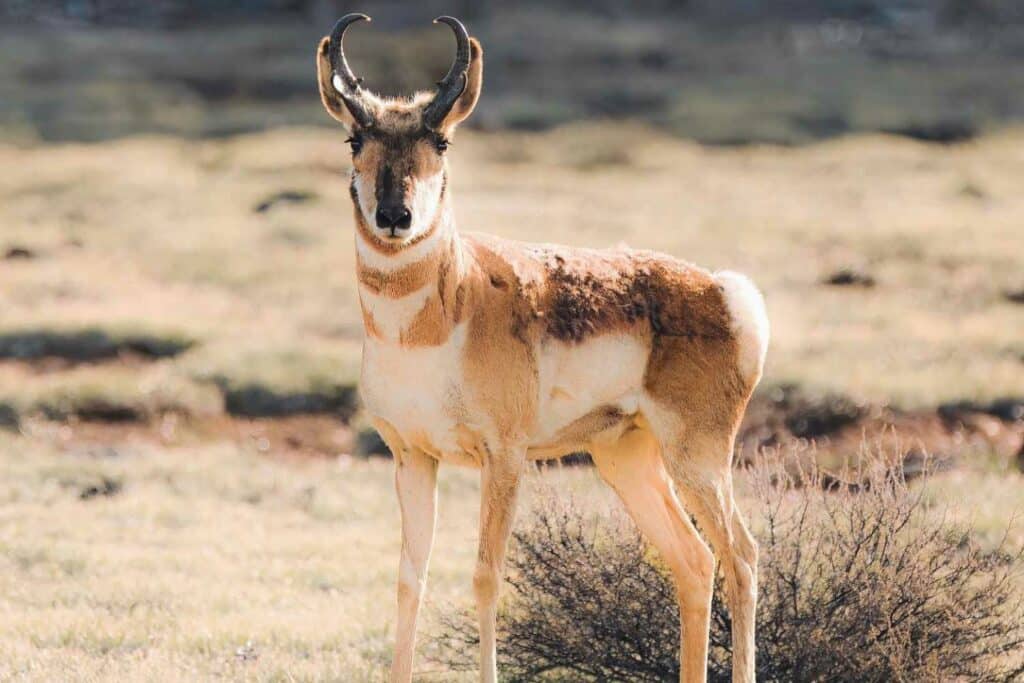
(749, 321)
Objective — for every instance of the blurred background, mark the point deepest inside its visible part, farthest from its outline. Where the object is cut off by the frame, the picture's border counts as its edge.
(190, 488)
(730, 72)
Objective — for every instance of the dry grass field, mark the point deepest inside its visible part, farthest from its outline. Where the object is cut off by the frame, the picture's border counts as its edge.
(138, 563)
(209, 563)
(221, 563)
(243, 247)
(178, 317)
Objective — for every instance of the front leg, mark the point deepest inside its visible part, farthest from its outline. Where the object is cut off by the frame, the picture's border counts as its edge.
(499, 488)
(416, 484)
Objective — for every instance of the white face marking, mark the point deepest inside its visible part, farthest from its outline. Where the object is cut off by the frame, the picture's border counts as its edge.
(371, 258)
(367, 201)
(426, 195)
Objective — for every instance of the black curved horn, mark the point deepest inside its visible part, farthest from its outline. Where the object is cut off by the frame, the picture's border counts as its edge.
(350, 92)
(451, 86)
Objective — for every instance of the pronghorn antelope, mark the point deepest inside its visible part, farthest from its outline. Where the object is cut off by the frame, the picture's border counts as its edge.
(490, 353)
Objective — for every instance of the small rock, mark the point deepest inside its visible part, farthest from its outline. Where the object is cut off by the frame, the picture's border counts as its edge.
(972, 190)
(1015, 296)
(19, 253)
(848, 277)
(287, 196)
(106, 487)
(247, 653)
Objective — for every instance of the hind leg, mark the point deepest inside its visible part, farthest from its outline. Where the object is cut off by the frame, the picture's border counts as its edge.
(633, 467)
(702, 472)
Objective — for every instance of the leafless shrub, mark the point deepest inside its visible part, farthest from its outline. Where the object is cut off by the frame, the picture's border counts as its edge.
(871, 585)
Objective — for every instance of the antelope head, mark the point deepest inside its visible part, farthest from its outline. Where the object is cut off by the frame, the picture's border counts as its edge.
(399, 171)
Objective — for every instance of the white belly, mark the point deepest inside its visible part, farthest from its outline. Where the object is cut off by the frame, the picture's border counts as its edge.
(419, 391)
(576, 379)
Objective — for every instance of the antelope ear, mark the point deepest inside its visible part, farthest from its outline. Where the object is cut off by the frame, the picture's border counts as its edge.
(466, 102)
(333, 102)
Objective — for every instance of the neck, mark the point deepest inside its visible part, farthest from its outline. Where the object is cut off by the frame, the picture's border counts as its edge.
(409, 293)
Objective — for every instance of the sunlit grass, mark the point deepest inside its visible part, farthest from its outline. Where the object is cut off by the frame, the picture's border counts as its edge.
(270, 296)
(203, 555)
(215, 562)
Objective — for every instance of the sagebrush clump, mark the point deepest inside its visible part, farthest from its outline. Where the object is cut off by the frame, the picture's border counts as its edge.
(858, 584)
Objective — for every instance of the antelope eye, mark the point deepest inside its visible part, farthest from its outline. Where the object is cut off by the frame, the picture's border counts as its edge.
(355, 143)
(442, 145)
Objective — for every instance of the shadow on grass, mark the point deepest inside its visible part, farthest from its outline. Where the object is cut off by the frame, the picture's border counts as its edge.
(89, 345)
(93, 409)
(255, 400)
(9, 418)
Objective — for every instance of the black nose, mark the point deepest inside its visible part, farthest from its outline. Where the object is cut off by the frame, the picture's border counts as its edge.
(393, 217)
